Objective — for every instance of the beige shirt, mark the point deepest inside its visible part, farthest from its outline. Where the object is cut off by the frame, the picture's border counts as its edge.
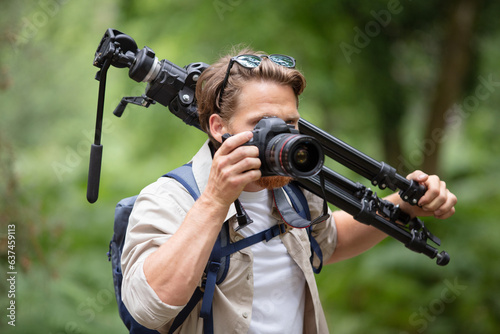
(159, 211)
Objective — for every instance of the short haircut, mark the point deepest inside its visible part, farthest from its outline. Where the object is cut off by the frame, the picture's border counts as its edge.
(210, 83)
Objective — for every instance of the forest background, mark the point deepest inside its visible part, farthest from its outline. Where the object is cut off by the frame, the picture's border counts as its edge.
(411, 83)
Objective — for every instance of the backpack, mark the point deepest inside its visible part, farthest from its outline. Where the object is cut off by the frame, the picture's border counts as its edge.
(218, 263)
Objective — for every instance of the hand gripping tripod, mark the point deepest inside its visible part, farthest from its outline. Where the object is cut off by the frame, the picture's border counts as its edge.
(362, 203)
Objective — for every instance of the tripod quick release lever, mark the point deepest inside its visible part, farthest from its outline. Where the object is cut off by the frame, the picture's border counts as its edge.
(143, 101)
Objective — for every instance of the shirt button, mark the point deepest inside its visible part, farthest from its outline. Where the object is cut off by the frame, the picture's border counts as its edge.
(245, 315)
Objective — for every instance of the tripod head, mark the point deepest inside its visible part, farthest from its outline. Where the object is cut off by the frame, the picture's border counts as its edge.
(167, 84)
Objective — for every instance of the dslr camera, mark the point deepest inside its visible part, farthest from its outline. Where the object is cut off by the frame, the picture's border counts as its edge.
(284, 151)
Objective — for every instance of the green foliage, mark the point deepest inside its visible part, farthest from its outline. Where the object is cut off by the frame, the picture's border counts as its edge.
(48, 96)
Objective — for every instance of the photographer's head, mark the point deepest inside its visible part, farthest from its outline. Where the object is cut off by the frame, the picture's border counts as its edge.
(219, 90)
(236, 92)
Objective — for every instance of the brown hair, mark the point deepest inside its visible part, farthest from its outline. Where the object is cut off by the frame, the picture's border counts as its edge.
(210, 84)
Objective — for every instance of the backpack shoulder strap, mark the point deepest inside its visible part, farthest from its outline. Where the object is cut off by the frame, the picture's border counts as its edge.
(217, 266)
(219, 263)
(184, 175)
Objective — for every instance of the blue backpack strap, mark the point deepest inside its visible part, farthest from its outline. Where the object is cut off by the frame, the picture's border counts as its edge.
(221, 252)
(315, 249)
(184, 313)
(219, 259)
(184, 175)
(265, 235)
(299, 203)
(212, 269)
(217, 266)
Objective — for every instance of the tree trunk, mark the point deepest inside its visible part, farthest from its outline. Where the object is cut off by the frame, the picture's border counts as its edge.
(455, 63)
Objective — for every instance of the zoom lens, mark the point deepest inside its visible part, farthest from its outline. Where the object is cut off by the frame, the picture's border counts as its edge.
(294, 155)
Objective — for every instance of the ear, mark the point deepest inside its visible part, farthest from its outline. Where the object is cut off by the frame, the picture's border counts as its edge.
(218, 127)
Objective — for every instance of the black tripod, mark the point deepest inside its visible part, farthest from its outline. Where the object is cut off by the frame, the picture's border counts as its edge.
(174, 88)
(362, 203)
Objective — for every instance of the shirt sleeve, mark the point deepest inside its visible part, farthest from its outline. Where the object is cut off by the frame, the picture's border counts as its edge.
(157, 214)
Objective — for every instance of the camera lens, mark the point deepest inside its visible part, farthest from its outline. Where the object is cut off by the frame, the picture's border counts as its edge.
(294, 155)
(301, 158)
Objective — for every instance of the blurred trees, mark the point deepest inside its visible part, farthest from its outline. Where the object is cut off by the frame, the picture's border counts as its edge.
(411, 83)
(456, 56)
(445, 34)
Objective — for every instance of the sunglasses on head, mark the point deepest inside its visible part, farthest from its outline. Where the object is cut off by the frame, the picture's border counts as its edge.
(253, 61)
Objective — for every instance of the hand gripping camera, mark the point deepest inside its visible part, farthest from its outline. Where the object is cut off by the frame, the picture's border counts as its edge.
(284, 151)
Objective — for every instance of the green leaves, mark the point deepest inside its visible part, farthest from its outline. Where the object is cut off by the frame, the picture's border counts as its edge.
(377, 100)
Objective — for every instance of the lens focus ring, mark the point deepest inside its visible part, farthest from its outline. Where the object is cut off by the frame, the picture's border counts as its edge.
(294, 155)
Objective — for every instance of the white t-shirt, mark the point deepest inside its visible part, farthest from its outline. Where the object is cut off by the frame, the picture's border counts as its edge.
(279, 284)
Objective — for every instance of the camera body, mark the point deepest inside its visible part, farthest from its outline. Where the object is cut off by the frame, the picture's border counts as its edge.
(284, 151)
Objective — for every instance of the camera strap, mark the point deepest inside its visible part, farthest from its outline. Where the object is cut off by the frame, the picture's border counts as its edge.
(286, 211)
(292, 209)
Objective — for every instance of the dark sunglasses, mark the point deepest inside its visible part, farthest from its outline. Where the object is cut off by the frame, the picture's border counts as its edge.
(253, 61)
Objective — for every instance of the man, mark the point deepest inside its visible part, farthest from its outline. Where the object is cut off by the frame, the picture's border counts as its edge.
(270, 287)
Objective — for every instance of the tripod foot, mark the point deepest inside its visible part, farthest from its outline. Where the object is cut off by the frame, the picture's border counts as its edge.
(443, 259)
